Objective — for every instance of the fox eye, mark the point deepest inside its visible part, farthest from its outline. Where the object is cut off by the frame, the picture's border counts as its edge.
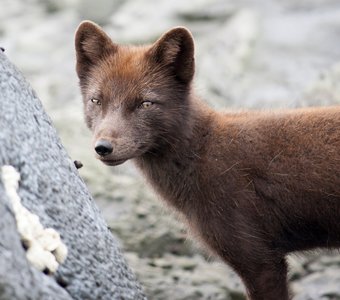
(96, 101)
(146, 104)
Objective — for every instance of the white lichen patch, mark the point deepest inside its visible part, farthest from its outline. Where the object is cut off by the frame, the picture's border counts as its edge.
(45, 250)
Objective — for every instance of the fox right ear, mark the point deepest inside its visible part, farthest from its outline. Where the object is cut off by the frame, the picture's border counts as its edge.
(92, 44)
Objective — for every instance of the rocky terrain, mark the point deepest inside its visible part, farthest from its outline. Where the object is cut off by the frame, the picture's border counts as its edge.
(265, 54)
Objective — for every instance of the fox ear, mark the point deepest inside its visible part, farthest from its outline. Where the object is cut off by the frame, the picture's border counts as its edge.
(175, 49)
(92, 44)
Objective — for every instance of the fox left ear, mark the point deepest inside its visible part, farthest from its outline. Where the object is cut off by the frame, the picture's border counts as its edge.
(175, 49)
(92, 44)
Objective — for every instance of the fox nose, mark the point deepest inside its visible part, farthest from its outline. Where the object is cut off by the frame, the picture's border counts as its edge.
(103, 147)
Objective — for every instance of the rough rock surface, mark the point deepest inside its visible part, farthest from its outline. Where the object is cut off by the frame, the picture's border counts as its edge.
(51, 188)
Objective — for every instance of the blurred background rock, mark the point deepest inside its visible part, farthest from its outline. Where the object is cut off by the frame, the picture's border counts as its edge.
(250, 54)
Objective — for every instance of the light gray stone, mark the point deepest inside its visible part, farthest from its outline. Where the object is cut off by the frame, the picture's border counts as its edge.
(324, 285)
(98, 11)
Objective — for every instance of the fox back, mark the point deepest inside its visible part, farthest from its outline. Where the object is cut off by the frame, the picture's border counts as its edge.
(253, 186)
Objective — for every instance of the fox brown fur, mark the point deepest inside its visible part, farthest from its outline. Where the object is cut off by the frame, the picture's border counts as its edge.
(254, 186)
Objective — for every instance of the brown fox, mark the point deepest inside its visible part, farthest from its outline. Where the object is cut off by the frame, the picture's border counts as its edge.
(253, 186)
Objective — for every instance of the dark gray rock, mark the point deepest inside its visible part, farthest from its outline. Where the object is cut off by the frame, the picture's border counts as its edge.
(51, 188)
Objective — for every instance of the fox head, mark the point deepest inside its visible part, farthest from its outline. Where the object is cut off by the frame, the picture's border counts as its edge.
(136, 98)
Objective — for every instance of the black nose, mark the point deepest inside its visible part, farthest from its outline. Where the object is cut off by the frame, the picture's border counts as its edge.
(103, 147)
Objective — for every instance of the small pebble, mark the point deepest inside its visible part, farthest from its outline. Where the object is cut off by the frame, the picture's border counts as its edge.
(2, 49)
(78, 164)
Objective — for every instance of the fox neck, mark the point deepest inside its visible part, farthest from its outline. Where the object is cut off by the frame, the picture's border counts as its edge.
(173, 170)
